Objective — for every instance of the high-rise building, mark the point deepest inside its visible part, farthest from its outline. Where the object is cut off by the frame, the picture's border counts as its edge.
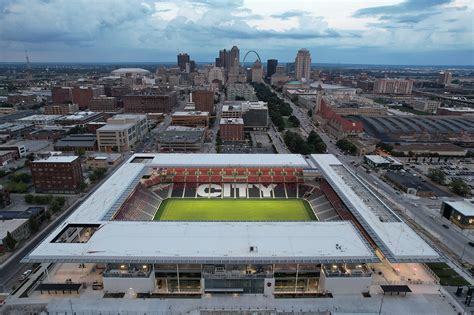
(393, 86)
(303, 65)
(271, 67)
(183, 59)
(229, 59)
(445, 77)
(257, 72)
(204, 100)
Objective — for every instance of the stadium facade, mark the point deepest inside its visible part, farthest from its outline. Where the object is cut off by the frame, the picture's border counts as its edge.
(118, 231)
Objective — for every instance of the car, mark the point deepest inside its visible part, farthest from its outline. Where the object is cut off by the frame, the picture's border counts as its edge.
(445, 226)
(25, 275)
(470, 244)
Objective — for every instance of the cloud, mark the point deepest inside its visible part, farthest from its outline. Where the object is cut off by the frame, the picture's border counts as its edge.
(156, 30)
(288, 14)
(406, 6)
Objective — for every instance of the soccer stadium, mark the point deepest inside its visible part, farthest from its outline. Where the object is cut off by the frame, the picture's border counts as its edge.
(171, 225)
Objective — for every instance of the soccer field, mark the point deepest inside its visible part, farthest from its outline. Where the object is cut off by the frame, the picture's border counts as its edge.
(234, 210)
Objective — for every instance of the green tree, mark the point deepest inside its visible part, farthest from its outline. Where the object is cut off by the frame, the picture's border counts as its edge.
(347, 146)
(459, 187)
(295, 121)
(33, 224)
(17, 187)
(29, 198)
(436, 175)
(10, 241)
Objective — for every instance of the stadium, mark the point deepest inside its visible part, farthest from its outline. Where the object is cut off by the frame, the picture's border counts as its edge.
(172, 225)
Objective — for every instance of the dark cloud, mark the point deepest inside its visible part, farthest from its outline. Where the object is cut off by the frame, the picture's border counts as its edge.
(407, 6)
(288, 14)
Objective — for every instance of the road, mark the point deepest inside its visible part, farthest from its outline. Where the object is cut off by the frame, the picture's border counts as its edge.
(423, 211)
(12, 270)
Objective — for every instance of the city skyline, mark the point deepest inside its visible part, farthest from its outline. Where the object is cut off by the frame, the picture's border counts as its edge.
(383, 32)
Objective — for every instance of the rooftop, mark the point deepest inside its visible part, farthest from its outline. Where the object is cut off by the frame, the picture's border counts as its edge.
(232, 121)
(191, 113)
(10, 226)
(58, 159)
(465, 207)
(395, 238)
(201, 242)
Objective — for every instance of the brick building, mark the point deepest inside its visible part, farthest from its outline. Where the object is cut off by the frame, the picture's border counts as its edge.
(103, 103)
(190, 119)
(232, 129)
(61, 109)
(204, 100)
(82, 95)
(61, 94)
(57, 174)
(150, 103)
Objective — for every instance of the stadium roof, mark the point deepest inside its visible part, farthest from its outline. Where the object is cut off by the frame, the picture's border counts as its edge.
(206, 242)
(202, 242)
(394, 237)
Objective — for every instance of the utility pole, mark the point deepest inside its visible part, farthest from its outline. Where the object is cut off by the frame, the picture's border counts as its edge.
(28, 68)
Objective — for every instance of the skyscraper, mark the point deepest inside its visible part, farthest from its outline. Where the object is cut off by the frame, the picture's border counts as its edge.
(445, 78)
(271, 67)
(257, 72)
(183, 59)
(303, 65)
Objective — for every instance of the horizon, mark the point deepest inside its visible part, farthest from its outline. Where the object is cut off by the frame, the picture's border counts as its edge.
(385, 32)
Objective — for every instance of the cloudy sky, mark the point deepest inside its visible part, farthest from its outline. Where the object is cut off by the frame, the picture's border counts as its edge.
(347, 31)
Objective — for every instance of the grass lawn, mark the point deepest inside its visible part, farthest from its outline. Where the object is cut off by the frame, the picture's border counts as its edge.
(234, 210)
(447, 276)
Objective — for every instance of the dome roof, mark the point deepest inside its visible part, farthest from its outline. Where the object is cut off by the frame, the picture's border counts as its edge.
(130, 70)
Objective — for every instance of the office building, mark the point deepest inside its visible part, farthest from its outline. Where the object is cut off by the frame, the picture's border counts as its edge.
(150, 103)
(303, 65)
(82, 95)
(77, 143)
(232, 129)
(271, 67)
(61, 94)
(104, 104)
(240, 91)
(203, 100)
(183, 61)
(78, 118)
(122, 132)
(57, 174)
(445, 78)
(61, 109)
(393, 86)
(257, 72)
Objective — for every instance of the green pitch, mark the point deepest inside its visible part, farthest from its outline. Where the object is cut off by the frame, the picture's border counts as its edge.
(234, 210)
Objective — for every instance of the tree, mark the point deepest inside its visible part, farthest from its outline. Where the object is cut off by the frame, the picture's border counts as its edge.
(347, 146)
(10, 242)
(385, 146)
(33, 224)
(29, 198)
(295, 121)
(459, 187)
(436, 175)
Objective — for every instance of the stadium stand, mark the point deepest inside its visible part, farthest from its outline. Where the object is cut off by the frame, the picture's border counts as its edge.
(140, 206)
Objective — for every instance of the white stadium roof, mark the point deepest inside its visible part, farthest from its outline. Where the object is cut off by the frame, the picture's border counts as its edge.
(201, 242)
(159, 241)
(395, 238)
